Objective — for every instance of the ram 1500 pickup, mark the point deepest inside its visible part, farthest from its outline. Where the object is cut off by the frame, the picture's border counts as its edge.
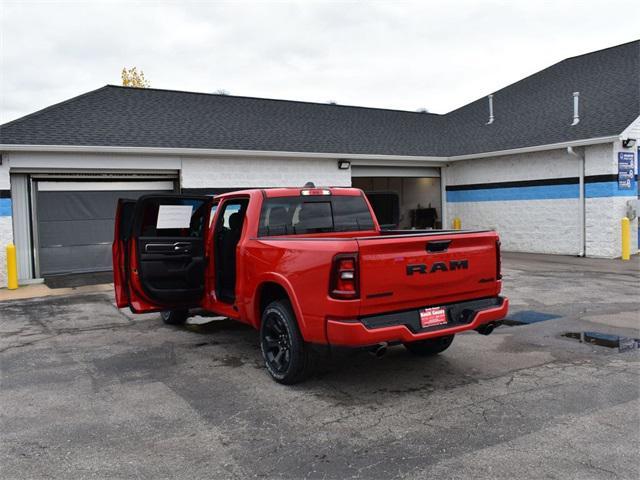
(305, 266)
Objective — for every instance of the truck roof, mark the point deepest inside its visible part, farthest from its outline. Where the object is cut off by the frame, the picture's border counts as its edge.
(296, 191)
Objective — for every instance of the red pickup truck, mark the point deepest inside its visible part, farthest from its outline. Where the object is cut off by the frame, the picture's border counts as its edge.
(306, 267)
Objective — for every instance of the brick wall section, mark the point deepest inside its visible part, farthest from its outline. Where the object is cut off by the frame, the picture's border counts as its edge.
(552, 225)
(508, 168)
(4, 174)
(604, 232)
(603, 215)
(599, 160)
(540, 226)
(261, 172)
(6, 228)
(6, 236)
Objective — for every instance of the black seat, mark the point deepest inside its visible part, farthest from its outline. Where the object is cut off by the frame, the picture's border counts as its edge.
(227, 256)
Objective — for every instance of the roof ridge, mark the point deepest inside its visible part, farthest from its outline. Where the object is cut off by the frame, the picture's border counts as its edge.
(247, 97)
(42, 110)
(600, 50)
(539, 71)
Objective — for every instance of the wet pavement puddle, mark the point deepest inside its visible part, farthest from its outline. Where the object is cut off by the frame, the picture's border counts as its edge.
(623, 344)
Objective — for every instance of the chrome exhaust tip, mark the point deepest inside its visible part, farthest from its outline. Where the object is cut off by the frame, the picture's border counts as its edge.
(379, 350)
(488, 328)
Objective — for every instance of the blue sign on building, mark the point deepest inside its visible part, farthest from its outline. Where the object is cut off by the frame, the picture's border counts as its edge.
(626, 170)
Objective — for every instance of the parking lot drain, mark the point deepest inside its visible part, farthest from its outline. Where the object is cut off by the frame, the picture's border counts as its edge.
(623, 344)
(526, 317)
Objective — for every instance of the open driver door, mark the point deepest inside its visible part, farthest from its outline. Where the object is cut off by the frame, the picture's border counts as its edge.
(159, 260)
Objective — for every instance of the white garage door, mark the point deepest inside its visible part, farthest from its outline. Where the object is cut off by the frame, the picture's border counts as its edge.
(74, 221)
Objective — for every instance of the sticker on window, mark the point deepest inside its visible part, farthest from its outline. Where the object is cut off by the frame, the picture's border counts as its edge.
(174, 216)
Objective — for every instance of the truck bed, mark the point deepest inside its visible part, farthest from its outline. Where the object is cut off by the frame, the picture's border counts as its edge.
(408, 269)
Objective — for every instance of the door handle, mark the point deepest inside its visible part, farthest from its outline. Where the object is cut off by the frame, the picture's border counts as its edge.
(438, 246)
(177, 247)
(182, 247)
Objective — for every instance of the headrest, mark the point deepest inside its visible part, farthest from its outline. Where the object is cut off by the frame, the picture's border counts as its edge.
(235, 221)
(278, 216)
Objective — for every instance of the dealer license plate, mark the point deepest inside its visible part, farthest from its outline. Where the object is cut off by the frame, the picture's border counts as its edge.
(430, 317)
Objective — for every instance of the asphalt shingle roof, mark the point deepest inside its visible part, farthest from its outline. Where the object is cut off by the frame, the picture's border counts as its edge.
(537, 110)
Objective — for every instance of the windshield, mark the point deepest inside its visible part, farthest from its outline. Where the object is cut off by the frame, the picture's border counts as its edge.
(298, 215)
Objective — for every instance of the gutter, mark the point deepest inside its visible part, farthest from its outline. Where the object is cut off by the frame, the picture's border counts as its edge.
(537, 148)
(359, 159)
(195, 152)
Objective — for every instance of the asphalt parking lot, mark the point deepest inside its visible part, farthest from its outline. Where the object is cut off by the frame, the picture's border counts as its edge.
(88, 391)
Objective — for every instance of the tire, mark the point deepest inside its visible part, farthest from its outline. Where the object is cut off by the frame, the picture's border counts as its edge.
(174, 317)
(432, 346)
(287, 357)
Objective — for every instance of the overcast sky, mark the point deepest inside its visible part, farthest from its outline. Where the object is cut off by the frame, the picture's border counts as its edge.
(405, 55)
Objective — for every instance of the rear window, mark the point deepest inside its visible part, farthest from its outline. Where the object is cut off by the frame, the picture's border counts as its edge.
(298, 215)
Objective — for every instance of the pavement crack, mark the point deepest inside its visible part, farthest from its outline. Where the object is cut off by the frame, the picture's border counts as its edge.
(590, 464)
(26, 344)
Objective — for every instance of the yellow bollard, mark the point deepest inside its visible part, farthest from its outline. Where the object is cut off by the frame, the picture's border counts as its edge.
(457, 224)
(12, 267)
(626, 239)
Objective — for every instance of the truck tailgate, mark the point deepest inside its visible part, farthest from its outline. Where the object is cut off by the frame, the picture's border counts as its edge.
(401, 272)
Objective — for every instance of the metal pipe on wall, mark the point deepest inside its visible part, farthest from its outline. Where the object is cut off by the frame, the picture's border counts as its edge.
(580, 156)
(443, 196)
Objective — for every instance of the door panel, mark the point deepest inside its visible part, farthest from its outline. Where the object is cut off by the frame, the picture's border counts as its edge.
(172, 269)
(167, 251)
(119, 250)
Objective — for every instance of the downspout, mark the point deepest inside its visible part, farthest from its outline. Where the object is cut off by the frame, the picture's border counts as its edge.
(583, 236)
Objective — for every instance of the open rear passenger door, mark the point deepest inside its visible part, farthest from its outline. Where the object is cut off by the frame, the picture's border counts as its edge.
(162, 264)
(119, 251)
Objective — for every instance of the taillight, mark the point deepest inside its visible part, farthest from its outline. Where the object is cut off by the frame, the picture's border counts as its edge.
(498, 261)
(344, 276)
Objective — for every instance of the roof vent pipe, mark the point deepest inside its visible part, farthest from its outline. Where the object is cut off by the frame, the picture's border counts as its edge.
(576, 116)
(490, 97)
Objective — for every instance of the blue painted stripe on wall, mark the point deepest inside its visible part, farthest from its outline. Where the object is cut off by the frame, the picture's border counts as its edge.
(5, 207)
(540, 192)
(609, 189)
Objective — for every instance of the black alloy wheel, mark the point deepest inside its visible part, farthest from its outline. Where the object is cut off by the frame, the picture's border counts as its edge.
(277, 343)
(174, 317)
(286, 355)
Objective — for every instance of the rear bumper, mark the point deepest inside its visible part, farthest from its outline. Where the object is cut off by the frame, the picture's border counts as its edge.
(356, 334)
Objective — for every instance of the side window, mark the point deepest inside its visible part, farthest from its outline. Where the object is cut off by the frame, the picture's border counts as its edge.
(228, 211)
(232, 215)
(173, 217)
